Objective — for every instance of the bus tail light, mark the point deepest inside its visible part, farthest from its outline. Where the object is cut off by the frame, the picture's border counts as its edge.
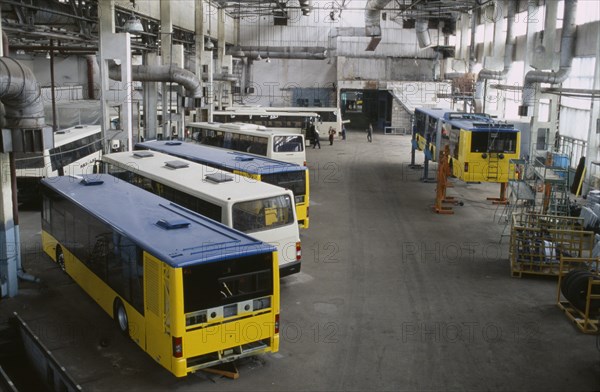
(177, 346)
(298, 251)
(466, 167)
(277, 323)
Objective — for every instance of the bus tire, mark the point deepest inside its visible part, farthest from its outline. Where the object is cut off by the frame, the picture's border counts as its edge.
(60, 258)
(120, 316)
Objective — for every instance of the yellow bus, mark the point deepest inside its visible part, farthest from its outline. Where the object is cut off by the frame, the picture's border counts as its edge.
(283, 174)
(189, 291)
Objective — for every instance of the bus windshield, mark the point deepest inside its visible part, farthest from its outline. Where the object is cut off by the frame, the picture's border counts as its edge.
(216, 284)
(264, 214)
(288, 143)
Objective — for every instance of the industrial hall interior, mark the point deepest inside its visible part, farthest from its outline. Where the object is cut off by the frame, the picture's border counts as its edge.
(300, 195)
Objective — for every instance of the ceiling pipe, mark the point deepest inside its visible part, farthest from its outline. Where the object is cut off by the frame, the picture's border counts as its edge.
(509, 45)
(21, 96)
(282, 52)
(422, 29)
(222, 77)
(373, 22)
(161, 73)
(567, 44)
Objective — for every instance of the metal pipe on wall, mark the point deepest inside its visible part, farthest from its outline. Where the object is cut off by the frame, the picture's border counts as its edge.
(567, 44)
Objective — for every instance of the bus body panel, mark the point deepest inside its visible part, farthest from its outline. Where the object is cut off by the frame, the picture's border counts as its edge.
(480, 147)
(95, 287)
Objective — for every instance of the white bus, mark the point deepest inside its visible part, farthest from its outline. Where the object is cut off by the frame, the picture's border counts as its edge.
(263, 211)
(324, 117)
(298, 122)
(75, 152)
(253, 139)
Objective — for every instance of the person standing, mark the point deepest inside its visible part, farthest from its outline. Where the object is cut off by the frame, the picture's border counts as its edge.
(331, 135)
(343, 132)
(316, 141)
(370, 133)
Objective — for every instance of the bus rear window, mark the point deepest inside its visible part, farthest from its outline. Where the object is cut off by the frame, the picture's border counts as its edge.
(263, 214)
(289, 143)
(216, 284)
(294, 181)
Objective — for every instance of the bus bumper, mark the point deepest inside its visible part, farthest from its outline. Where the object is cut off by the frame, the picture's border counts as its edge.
(289, 269)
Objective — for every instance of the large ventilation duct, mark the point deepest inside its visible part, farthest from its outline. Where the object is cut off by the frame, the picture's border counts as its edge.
(509, 45)
(161, 73)
(282, 52)
(21, 96)
(373, 22)
(305, 6)
(567, 43)
(422, 29)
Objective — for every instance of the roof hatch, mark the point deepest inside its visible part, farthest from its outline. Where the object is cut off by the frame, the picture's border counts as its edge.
(172, 224)
(176, 164)
(91, 181)
(143, 154)
(219, 177)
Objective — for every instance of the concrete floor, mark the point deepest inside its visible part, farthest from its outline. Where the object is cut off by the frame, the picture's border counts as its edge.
(391, 297)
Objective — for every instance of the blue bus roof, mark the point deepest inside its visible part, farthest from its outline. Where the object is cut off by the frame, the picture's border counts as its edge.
(470, 121)
(483, 125)
(211, 156)
(173, 234)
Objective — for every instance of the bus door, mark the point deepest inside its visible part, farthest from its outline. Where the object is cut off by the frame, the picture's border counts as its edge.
(157, 338)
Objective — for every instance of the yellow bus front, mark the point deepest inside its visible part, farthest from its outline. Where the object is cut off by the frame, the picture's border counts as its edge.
(484, 156)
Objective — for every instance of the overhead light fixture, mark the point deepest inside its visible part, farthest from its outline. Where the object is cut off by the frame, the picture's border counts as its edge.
(209, 44)
(258, 58)
(48, 55)
(133, 25)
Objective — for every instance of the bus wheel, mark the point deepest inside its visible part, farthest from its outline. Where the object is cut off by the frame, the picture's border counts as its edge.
(120, 316)
(60, 258)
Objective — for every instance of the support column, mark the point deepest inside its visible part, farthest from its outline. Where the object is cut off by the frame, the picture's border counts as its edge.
(166, 42)
(150, 101)
(201, 55)
(9, 283)
(8, 233)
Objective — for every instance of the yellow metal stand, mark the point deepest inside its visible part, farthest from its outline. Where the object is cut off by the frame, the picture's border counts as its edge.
(442, 185)
(502, 199)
